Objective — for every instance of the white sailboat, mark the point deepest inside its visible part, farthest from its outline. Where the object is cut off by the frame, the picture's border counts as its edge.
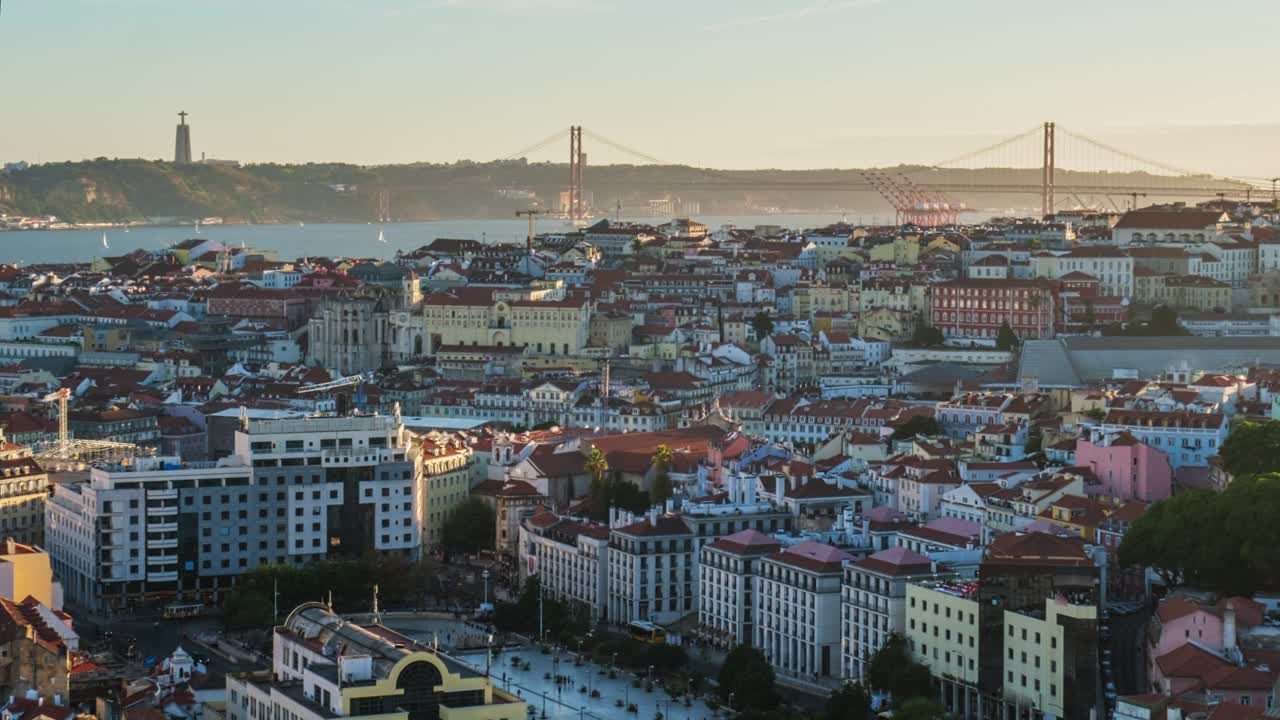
(301, 225)
(104, 241)
(197, 227)
(381, 239)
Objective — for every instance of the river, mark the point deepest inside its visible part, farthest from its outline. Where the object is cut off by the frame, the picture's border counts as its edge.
(340, 240)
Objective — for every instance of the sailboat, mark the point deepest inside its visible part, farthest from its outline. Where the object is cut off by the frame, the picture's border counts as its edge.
(301, 225)
(381, 239)
(104, 241)
(197, 227)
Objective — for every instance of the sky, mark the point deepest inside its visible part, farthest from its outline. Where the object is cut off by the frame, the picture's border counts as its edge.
(719, 83)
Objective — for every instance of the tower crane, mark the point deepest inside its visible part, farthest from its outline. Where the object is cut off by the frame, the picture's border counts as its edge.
(61, 397)
(532, 214)
(358, 381)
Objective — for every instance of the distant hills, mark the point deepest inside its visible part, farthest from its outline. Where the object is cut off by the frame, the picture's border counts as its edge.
(106, 190)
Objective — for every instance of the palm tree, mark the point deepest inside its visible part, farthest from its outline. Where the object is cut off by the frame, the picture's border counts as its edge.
(662, 488)
(598, 496)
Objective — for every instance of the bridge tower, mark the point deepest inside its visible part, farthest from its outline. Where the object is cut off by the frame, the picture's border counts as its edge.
(574, 210)
(1047, 172)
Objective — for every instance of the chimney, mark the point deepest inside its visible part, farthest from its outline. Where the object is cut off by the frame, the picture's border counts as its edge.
(653, 516)
(613, 516)
(670, 505)
(779, 485)
(10, 546)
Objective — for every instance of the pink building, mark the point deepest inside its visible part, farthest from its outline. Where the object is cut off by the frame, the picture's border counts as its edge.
(1195, 647)
(1127, 468)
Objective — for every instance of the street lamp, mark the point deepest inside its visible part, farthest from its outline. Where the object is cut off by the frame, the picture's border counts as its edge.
(485, 575)
(488, 654)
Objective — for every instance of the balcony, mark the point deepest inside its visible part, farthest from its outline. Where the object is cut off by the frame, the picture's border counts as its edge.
(170, 576)
(161, 544)
(162, 559)
(162, 527)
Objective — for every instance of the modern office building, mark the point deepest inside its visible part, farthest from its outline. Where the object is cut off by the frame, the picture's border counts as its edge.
(293, 491)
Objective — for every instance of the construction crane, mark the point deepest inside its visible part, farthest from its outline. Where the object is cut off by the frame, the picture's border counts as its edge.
(68, 453)
(532, 214)
(61, 397)
(358, 381)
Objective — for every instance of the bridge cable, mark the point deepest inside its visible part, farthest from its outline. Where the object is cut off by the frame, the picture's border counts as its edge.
(538, 145)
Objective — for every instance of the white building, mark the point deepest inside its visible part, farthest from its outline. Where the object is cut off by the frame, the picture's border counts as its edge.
(873, 599)
(727, 575)
(651, 570)
(570, 558)
(293, 491)
(1188, 438)
(798, 609)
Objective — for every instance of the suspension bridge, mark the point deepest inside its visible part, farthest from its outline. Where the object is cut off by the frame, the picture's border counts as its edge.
(1062, 167)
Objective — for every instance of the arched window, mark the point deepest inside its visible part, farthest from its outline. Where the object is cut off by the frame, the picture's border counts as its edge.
(419, 681)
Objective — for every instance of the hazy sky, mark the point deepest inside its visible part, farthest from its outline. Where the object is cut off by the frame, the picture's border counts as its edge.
(726, 83)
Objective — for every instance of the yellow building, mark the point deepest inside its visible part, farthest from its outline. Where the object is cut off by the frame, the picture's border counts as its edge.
(942, 630)
(904, 250)
(447, 470)
(24, 487)
(25, 571)
(324, 668)
(544, 321)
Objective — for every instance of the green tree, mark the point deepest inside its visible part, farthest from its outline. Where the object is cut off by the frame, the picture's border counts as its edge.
(850, 702)
(627, 496)
(598, 495)
(1164, 321)
(1252, 447)
(1223, 542)
(662, 488)
(892, 670)
(1006, 339)
(762, 324)
(916, 425)
(1095, 414)
(748, 677)
(926, 336)
(471, 527)
(920, 708)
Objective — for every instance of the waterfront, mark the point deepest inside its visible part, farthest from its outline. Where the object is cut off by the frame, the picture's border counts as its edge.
(338, 239)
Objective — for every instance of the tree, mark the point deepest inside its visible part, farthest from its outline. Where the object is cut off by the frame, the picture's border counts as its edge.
(471, 527)
(1096, 413)
(1006, 339)
(850, 702)
(662, 488)
(762, 324)
(1164, 321)
(1252, 448)
(926, 336)
(1090, 315)
(916, 425)
(892, 670)
(920, 709)
(627, 496)
(1223, 542)
(598, 495)
(748, 677)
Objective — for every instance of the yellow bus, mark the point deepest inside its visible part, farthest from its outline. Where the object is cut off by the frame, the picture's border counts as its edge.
(646, 631)
(178, 611)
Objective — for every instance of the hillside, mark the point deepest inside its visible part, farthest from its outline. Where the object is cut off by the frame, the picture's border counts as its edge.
(122, 190)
